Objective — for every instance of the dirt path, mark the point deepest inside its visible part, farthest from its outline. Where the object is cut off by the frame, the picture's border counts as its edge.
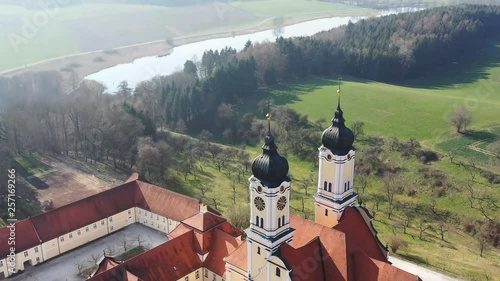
(475, 146)
(70, 181)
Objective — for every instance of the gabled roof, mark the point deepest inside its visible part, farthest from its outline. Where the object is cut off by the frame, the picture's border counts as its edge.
(26, 237)
(204, 221)
(168, 262)
(59, 221)
(375, 270)
(166, 203)
(239, 257)
(347, 252)
(359, 234)
(104, 264)
(222, 245)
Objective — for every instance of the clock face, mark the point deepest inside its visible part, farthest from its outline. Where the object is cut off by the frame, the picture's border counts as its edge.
(259, 203)
(281, 203)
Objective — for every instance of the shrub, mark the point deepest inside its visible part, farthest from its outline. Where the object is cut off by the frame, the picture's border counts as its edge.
(395, 243)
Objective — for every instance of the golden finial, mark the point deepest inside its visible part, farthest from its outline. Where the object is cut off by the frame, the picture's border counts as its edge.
(268, 116)
(339, 92)
(340, 81)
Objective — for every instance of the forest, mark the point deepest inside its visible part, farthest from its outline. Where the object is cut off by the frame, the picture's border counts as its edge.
(207, 95)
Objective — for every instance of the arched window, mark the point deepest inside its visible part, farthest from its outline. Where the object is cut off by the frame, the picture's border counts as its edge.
(257, 220)
(324, 185)
(262, 222)
(348, 185)
(279, 222)
(326, 212)
(330, 187)
(278, 272)
(283, 220)
(345, 186)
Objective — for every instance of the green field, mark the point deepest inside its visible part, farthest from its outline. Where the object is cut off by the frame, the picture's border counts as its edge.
(418, 109)
(92, 27)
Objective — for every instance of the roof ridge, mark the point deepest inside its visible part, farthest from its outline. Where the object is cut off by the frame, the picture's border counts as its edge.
(141, 183)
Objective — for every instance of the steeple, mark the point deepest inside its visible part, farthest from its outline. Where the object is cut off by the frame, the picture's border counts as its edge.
(270, 167)
(336, 170)
(338, 137)
(269, 208)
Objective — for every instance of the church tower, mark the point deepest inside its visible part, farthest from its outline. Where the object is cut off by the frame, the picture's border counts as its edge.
(336, 171)
(270, 209)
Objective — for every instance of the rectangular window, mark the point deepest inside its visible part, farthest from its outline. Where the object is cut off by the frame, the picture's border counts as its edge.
(70, 235)
(151, 215)
(258, 250)
(79, 232)
(37, 259)
(110, 219)
(129, 212)
(25, 253)
(157, 217)
(169, 222)
(206, 272)
(197, 274)
(102, 222)
(186, 278)
(36, 249)
(111, 227)
(1, 263)
(215, 276)
(62, 239)
(163, 219)
(95, 225)
(326, 212)
(87, 229)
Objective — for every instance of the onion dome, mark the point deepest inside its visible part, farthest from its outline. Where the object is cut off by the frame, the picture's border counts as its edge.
(338, 137)
(270, 167)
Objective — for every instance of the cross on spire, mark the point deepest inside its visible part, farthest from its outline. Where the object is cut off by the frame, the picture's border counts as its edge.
(269, 115)
(339, 91)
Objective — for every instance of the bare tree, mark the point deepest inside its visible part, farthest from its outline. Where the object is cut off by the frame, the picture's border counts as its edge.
(80, 266)
(460, 119)
(483, 234)
(422, 227)
(238, 215)
(139, 240)
(443, 228)
(94, 258)
(357, 128)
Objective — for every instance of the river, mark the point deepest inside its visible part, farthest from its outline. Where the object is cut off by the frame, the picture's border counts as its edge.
(146, 68)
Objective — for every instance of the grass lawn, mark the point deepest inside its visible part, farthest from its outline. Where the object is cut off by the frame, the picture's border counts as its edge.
(32, 165)
(418, 109)
(93, 27)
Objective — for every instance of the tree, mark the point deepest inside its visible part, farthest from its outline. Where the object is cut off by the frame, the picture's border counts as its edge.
(124, 91)
(484, 232)
(190, 67)
(460, 119)
(357, 128)
(238, 215)
(443, 228)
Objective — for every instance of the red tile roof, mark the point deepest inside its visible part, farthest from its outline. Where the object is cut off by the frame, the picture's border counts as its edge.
(340, 253)
(106, 264)
(166, 203)
(358, 233)
(204, 221)
(59, 221)
(168, 262)
(239, 257)
(25, 238)
(222, 245)
(375, 270)
(68, 218)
